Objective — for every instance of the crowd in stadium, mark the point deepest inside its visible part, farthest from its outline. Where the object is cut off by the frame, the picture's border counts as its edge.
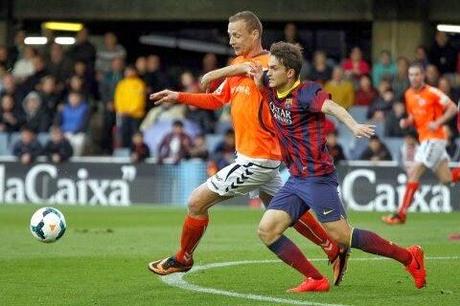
(81, 100)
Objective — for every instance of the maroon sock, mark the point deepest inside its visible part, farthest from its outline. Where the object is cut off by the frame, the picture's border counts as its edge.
(288, 252)
(372, 243)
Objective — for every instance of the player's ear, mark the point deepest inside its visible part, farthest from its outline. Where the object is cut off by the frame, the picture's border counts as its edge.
(291, 73)
(255, 34)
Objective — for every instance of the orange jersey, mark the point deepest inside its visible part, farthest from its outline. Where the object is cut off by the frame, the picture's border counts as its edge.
(426, 105)
(251, 117)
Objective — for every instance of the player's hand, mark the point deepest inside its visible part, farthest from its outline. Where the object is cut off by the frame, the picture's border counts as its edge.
(164, 96)
(433, 125)
(206, 80)
(363, 130)
(257, 73)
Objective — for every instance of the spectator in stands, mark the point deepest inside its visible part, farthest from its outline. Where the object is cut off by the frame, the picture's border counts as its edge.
(82, 70)
(408, 149)
(77, 84)
(224, 154)
(112, 49)
(341, 89)
(355, 65)
(452, 147)
(9, 88)
(110, 80)
(27, 149)
(83, 50)
(392, 127)
(141, 66)
(209, 63)
(334, 148)
(139, 150)
(58, 149)
(17, 50)
(366, 93)
(381, 107)
(175, 146)
(5, 60)
(49, 94)
(384, 68)
(155, 79)
(107, 88)
(445, 85)
(204, 118)
(376, 150)
(320, 71)
(432, 75)
(73, 120)
(130, 95)
(199, 148)
(24, 66)
(401, 80)
(443, 55)
(291, 35)
(36, 115)
(31, 82)
(421, 56)
(10, 116)
(59, 65)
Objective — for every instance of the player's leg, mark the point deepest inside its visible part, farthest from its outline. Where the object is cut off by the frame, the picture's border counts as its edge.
(415, 173)
(275, 221)
(412, 258)
(193, 229)
(307, 225)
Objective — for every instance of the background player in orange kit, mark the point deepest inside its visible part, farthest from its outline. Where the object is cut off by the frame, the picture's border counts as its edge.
(258, 152)
(428, 109)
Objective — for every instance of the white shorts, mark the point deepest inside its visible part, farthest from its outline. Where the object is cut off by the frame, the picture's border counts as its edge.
(431, 153)
(245, 175)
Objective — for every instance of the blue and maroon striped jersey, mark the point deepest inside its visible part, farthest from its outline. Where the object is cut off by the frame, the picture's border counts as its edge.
(299, 126)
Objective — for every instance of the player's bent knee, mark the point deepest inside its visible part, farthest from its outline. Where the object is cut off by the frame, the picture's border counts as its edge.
(266, 234)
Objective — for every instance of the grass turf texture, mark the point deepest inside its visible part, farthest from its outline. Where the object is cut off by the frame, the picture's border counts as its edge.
(102, 259)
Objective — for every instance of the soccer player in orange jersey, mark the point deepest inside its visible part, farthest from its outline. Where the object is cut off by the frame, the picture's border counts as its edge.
(428, 109)
(258, 153)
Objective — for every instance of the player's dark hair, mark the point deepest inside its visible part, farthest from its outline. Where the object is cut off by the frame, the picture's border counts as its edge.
(251, 20)
(290, 55)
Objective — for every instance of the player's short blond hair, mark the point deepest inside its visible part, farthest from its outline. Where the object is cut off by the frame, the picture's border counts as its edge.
(251, 20)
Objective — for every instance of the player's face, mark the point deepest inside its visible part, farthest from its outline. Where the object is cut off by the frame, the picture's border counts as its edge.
(241, 39)
(277, 73)
(416, 77)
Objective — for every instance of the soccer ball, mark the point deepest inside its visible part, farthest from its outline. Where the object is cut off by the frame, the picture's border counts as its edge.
(47, 224)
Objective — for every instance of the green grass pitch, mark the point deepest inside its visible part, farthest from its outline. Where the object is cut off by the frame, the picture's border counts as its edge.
(102, 260)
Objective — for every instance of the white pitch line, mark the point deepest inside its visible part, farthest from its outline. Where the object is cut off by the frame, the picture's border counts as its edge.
(177, 280)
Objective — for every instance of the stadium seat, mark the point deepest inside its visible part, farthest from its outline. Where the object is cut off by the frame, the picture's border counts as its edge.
(212, 140)
(359, 113)
(43, 138)
(4, 144)
(121, 152)
(12, 139)
(394, 144)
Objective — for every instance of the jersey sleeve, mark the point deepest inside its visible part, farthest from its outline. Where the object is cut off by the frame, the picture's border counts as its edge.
(312, 97)
(439, 97)
(210, 101)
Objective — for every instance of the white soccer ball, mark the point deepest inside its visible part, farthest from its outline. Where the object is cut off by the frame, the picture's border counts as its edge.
(47, 224)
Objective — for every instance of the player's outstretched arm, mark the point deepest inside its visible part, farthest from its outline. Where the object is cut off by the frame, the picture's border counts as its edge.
(232, 70)
(358, 129)
(164, 96)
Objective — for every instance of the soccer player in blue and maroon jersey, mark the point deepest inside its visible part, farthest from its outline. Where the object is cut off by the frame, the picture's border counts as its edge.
(298, 111)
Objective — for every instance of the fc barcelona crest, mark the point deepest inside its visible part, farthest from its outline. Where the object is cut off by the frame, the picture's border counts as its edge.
(288, 103)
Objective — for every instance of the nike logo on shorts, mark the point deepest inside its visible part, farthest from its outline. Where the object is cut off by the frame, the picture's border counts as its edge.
(327, 212)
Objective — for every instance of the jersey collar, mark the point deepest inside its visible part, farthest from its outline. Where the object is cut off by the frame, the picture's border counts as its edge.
(283, 94)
